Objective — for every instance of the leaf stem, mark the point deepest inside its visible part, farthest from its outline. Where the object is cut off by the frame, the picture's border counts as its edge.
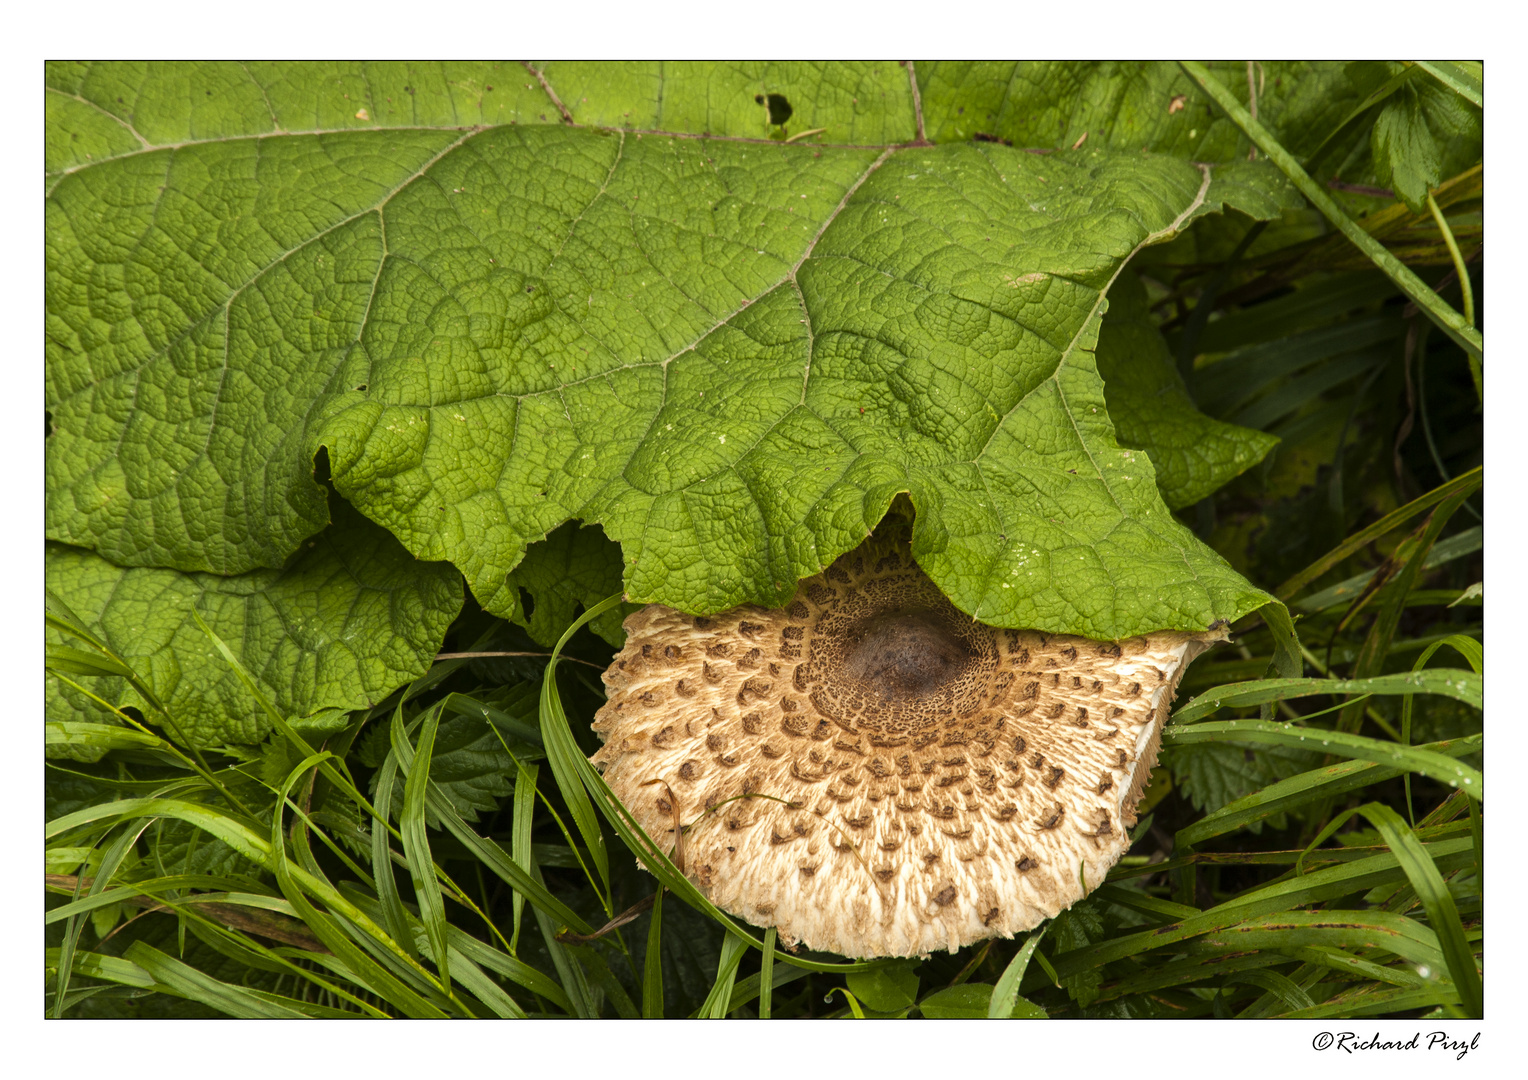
(1453, 251)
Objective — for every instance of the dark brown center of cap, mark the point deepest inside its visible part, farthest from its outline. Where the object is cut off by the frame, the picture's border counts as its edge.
(904, 655)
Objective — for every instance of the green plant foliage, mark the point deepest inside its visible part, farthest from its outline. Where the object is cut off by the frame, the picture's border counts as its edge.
(348, 620)
(485, 354)
(1128, 105)
(1425, 132)
(1193, 453)
(324, 339)
(1214, 774)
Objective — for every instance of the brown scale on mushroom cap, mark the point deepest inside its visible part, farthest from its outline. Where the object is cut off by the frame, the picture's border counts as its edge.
(874, 773)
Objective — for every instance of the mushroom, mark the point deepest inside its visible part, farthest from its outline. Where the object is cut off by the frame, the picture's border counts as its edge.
(873, 772)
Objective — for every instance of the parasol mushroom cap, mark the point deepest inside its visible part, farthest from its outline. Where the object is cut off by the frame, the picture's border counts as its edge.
(876, 774)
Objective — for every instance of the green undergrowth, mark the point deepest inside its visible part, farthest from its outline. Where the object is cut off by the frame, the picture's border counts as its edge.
(379, 394)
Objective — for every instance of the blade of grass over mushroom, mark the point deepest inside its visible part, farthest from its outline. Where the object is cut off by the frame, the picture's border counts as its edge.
(766, 975)
(1445, 317)
(652, 856)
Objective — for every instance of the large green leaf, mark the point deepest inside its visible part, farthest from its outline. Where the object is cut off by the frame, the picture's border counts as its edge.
(1152, 410)
(730, 355)
(353, 617)
(864, 102)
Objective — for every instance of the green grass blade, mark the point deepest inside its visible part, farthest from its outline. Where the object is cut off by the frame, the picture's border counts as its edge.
(391, 904)
(78, 662)
(564, 756)
(604, 979)
(509, 967)
(1381, 1003)
(1465, 686)
(188, 982)
(767, 976)
(746, 989)
(111, 861)
(465, 705)
(330, 927)
(416, 840)
(1279, 896)
(1445, 317)
(720, 998)
(1005, 995)
(570, 972)
(1465, 482)
(1442, 912)
(1459, 78)
(1385, 930)
(1376, 646)
(84, 735)
(100, 966)
(492, 855)
(520, 846)
(652, 964)
(1280, 986)
(1457, 546)
(1340, 743)
(1345, 962)
(1328, 781)
(466, 949)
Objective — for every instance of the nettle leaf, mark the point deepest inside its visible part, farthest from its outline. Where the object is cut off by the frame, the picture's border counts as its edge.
(1077, 927)
(1214, 774)
(1152, 409)
(1424, 133)
(351, 618)
(732, 356)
